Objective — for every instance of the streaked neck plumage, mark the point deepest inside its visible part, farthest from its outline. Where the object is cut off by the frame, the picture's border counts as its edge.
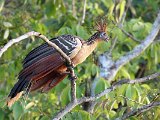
(93, 39)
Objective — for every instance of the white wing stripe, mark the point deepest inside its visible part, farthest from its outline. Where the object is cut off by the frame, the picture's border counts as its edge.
(62, 44)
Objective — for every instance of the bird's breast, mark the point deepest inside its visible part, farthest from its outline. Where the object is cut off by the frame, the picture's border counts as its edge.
(83, 53)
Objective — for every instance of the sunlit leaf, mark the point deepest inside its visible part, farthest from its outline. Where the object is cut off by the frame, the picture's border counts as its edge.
(1, 4)
(7, 24)
(6, 34)
(122, 8)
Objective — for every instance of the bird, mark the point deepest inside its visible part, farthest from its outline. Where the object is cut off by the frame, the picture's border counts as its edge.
(44, 67)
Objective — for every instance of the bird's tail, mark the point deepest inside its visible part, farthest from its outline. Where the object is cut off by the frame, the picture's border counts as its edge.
(44, 83)
(17, 91)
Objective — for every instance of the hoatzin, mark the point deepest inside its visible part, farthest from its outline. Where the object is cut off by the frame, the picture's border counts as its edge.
(44, 67)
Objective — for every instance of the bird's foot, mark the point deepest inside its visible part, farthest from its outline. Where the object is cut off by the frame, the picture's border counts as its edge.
(73, 77)
(70, 69)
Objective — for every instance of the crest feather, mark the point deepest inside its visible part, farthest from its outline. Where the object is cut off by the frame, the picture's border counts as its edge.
(101, 25)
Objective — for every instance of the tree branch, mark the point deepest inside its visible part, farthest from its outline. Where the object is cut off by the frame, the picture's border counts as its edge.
(139, 110)
(109, 68)
(37, 34)
(141, 47)
(71, 105)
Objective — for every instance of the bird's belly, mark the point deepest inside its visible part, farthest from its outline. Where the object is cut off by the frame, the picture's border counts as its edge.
(79, 59)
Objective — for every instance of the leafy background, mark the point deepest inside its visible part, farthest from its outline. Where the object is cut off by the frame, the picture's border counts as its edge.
(57, 17)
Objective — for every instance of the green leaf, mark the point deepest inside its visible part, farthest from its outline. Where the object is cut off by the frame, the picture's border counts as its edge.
(94, 69)
(2, 115)
(125, 73)
(138, 26)
(129, 92)
(17, 111)
(77, 115)
(65, 30)
(50, 9)
(112, 114)
(146, 87)
(65, 95)
(44, 118)
(100, 86)
(81, 32)
(114, 105)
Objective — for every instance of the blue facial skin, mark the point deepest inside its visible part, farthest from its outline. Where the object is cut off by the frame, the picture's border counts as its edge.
(104, 36)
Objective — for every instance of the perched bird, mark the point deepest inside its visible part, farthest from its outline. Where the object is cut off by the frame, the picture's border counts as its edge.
(44, 67)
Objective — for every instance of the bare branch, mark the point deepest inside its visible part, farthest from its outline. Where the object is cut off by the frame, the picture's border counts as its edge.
(139, 110)
(71, 105)
(140, 48)
(109, 68)
(37, 34)
(73, 90)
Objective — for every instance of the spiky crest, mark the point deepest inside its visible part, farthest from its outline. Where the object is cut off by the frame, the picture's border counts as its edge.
(101, 25)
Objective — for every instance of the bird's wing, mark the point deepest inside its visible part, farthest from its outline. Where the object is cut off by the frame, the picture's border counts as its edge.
(43, 60)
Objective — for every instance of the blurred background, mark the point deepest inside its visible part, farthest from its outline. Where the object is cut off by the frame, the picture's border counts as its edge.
(77, 17)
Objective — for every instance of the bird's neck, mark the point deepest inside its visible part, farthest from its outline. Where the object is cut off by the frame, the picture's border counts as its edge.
(93, 39)
(91, 43)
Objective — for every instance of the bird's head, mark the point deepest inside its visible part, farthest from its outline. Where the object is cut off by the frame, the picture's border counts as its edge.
(101, 30)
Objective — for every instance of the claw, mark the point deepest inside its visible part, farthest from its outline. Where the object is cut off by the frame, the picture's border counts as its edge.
(73, 77)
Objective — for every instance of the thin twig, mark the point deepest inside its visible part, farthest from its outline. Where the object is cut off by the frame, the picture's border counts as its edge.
(131, 100)
(113, 45)
(71, 105)
(139, 110)
(73, 8)
(73, 90)
(129, 35)
(73, 85)
(84, 11)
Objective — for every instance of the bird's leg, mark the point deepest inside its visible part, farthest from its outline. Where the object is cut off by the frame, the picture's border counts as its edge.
(70, 71)
(72, 77)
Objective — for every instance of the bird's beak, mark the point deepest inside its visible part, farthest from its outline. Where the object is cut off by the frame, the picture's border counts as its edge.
(107, 38)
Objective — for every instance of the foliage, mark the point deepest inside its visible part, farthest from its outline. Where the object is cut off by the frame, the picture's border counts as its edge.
(53, 18)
